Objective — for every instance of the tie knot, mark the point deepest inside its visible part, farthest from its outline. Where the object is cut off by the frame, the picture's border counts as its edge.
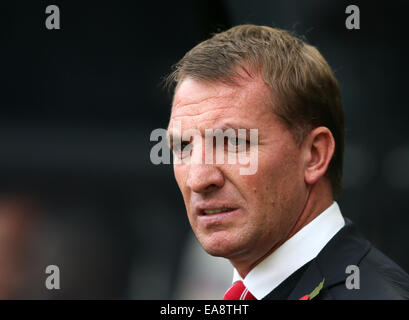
(238, 291)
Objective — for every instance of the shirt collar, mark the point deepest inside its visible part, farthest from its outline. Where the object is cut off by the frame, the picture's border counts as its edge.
(294, 253)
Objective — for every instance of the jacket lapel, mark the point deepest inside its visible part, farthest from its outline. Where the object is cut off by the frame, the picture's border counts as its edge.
(346, 248)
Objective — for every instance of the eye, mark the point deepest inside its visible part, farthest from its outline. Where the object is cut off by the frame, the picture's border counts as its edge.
(236, 142)
(182, 149)
(180, 146)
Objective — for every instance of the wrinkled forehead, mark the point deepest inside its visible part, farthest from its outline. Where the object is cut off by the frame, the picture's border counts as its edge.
(240, 76)
(210, 101)
(192, 92)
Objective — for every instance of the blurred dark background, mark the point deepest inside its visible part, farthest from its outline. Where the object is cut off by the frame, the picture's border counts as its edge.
(77, 187)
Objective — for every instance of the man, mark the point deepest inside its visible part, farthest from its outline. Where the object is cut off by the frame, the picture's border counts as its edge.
(279, 227)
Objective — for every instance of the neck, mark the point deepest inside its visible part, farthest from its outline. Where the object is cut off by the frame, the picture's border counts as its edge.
(318, 199)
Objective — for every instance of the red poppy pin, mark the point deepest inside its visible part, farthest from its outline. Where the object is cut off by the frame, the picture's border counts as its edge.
(314, 292)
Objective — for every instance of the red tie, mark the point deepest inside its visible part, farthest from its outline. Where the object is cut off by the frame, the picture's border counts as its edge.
(238, 292)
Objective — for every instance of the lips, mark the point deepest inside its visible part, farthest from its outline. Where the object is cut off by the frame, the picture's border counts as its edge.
(219, 218)
(209, 209)
(216, 213)
(208, 212)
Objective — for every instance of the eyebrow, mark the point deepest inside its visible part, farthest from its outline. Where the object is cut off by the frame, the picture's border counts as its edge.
(232, 126)
(224, 127)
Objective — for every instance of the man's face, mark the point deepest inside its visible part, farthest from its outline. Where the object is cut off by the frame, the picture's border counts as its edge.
(261, 208)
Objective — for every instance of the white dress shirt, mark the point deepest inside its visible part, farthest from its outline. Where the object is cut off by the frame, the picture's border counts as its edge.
(293, 254)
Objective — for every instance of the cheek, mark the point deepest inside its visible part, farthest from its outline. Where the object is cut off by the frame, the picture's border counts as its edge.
(180, 174)
(270, 197)
(276, 179)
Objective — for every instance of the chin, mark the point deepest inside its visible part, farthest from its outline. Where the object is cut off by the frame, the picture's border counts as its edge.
(219, 246)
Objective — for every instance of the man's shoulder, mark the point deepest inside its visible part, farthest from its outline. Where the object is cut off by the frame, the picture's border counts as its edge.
(351, 268)
(368, 272)
(376, 277)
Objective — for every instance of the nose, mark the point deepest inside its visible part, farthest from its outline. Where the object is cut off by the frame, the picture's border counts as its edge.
(204, 178)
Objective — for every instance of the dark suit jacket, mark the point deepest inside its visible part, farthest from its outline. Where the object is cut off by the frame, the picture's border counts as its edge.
(380, 277)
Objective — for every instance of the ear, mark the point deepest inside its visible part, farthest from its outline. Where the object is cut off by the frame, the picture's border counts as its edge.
(318, 148)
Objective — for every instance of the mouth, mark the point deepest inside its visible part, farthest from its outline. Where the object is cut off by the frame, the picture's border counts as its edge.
(218, 216)
(209, 212)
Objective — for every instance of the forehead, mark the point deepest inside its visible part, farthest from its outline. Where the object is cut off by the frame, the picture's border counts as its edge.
(204, 103)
